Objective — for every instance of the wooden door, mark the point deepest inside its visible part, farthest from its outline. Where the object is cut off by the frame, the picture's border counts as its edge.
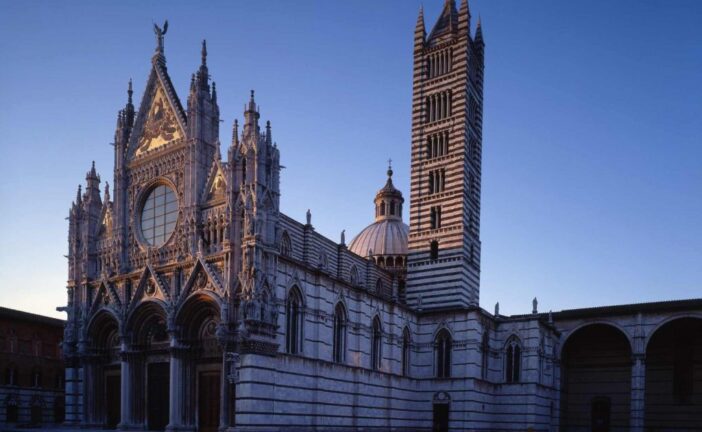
(113, 392)
(441, 418)
(157, 395)
(600, 413)
(208, 401)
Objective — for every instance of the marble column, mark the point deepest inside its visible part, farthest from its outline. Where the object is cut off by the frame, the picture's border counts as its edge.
(177, 388)
(638, 390)
(127, 389)
(224, 402)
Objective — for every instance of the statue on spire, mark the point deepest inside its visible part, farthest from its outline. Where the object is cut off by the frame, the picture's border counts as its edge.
(160, 32)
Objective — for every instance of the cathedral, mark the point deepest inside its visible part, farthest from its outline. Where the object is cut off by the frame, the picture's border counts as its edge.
(196, 304)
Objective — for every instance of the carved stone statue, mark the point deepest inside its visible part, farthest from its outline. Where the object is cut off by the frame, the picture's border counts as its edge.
(497, 309)
(160, 32)
(309, 217)
(534, 306)
(343, 237)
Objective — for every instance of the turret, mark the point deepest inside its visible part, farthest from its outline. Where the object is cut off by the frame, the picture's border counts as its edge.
(251, 117)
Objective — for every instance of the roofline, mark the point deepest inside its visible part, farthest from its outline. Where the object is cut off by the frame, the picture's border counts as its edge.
(625, 309)
(31, 317)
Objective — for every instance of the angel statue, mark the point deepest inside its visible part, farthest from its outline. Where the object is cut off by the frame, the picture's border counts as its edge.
(159, 35)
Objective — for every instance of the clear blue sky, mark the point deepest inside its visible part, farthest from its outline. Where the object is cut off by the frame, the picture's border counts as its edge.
(592, 170)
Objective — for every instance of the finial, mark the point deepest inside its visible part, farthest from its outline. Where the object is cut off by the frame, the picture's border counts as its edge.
(252, 95)
(204, 52)
(389, 167)
(497, 309)
(129, 92)
(214, 91)
(534, 306)
(309, 217)
(160, 32)
(107, 191)
(343, 237)
(79, 195)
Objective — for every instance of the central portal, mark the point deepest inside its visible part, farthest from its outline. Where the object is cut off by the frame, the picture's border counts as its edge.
(157, 395)
(208, 401)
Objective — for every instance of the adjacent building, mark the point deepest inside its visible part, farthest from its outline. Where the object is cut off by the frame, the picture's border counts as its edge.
(196, 303)
(32, 386)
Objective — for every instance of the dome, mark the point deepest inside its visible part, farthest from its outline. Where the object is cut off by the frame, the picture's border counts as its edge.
(385, 237)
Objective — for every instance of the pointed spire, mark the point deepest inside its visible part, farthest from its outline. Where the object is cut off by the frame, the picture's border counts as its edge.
(79, 196)
(269, 138)
(479, 30)
(235, 132)
(92, 173)
(107, 192)
(447, 22)
(214, 92)
(129, 92)
(203, 52)
(420, 20)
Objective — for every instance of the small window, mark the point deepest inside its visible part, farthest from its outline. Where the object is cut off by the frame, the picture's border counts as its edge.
(434, 250)
(392, 208)
(285, 245)
(294, 321)
(354, 277)
(485, 353)
(513, 357)
(339, 333)
(376, 344)
(435, 217)
(406, 341)
(442, 350)
(382, 208)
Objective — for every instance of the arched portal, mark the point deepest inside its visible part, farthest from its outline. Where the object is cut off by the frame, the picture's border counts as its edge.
(204, 385)
(102, 372)
(596, 380)
(146, 367)
(673, 399)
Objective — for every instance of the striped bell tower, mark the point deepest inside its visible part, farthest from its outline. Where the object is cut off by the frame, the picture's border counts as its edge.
(443, 268)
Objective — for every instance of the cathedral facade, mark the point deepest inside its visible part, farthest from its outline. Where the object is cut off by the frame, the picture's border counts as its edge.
(195, 303)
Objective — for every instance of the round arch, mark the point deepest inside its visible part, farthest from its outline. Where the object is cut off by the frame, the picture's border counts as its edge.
(666, 321)
(579, 327)
(673, 398)
(596, 377)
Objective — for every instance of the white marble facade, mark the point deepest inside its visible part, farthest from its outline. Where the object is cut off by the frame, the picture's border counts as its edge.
(195, 303)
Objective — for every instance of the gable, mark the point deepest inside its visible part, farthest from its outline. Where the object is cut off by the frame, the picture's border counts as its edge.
(216, 187)
(160, 126)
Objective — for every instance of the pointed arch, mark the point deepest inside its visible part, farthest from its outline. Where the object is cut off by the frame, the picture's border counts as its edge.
(147, 323)
(103, 330)
(376, 343)
(513, 359)
(443, 343)
(354, 276)
(406, 347)
(285, 245)
(339, 335)
(294, 318)
(198, 317)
